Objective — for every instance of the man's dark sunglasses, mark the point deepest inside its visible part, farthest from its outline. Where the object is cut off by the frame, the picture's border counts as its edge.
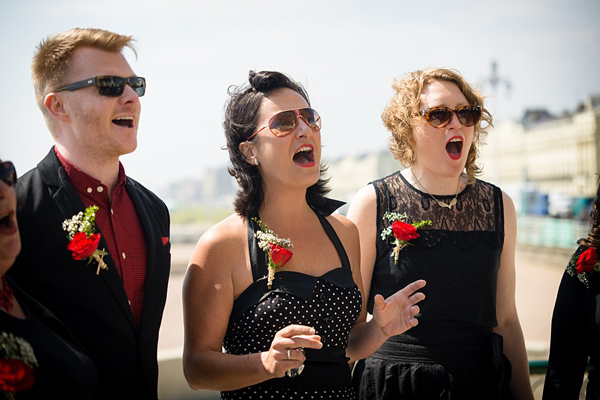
(111, 86)
(8, 174)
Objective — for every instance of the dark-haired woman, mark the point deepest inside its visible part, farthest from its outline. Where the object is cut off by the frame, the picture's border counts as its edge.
(287, 326)
(575, 335)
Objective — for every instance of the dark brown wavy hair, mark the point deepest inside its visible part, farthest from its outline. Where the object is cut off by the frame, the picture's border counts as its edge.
(593, 239)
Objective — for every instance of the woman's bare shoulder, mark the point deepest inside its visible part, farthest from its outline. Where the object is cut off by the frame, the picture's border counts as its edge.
(344, 227)
(226, 237)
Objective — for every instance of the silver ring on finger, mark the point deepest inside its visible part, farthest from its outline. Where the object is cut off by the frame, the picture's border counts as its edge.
(288, 354)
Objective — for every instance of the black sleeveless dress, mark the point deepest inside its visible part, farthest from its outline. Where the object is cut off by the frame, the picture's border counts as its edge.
(452, 353)
(330, 303)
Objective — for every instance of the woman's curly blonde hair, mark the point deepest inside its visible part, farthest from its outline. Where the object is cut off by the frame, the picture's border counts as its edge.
(400, 113)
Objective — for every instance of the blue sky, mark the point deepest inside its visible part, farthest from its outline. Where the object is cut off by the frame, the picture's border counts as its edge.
(346, 53)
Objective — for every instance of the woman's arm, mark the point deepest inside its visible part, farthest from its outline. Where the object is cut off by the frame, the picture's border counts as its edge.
(506, 310)
(363, 212)
(216, 274)
(392, 316)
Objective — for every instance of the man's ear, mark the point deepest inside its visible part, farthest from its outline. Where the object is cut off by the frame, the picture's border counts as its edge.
(55, 106)
(247, 149)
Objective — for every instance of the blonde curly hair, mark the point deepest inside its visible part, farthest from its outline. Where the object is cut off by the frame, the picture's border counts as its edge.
(400, 112)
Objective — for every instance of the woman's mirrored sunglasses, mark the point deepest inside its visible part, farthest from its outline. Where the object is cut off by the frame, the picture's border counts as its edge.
(284, 122)
(439, 117)
(111, 86)
(8, 173)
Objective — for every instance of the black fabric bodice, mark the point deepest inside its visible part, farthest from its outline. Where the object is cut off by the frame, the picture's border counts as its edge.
(330, 303)
(64, 370)
(458, 255)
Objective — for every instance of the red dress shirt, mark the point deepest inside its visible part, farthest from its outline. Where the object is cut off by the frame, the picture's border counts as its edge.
(121, 228)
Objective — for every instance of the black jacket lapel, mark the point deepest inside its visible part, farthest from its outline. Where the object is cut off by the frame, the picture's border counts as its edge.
(69, 203)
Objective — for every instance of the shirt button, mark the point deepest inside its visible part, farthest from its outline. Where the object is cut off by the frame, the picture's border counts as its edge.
(89, 190)
(323, 297)
(124, 257)
(100, 189)
(111, 211)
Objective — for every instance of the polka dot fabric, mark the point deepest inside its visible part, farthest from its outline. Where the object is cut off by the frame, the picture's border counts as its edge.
(278, 393)
(331, 310)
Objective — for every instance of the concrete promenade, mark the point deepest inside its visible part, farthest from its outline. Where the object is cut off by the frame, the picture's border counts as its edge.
(538, 276)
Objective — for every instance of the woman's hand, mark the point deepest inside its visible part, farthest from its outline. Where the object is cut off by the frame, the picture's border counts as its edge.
(396, 314)
(285, 352)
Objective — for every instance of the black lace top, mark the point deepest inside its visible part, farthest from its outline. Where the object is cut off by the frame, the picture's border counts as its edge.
(458, 255)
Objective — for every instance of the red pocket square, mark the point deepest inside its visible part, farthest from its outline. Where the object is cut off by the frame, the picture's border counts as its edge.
(165, 240)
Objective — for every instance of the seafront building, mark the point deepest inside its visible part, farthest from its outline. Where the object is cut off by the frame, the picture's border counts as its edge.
(549, 166)
(556, 157)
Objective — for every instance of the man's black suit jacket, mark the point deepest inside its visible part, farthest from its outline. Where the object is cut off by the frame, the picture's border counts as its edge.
(94, 307)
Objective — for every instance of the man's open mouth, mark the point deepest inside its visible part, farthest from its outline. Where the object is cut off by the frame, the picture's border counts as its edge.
(126, 121)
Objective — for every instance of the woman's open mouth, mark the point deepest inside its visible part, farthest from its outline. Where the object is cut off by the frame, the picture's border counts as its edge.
(454, 147)
(305, 156)
(8, 225)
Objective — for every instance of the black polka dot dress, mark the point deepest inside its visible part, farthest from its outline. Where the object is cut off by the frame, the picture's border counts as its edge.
(330, 303)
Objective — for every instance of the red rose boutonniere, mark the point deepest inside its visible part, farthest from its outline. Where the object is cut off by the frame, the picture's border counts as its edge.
(401, 231)
(275, 247)
(83, 242)
(583, 265)
(16, 364)
(586, 261)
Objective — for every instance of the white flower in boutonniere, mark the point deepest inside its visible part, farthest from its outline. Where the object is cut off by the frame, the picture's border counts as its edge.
(83, 242)
(275, 247)
(401, 231)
